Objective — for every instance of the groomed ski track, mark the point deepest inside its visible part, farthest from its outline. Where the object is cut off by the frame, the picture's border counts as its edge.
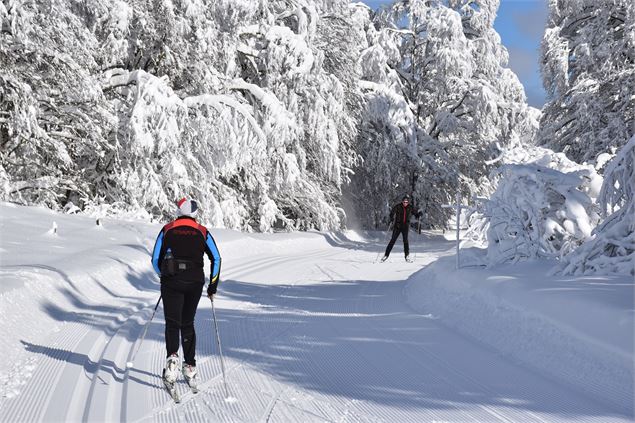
(321, 335)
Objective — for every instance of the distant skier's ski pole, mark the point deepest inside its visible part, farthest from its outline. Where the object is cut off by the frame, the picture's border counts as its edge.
(145, 330)
(220, 350)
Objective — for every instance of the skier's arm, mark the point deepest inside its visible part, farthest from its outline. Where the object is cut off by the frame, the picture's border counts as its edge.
(156, 254)
(214, 256)
(417, 212)
(393, 215)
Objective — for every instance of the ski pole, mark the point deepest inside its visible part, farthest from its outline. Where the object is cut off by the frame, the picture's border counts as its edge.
(145, 330)
(220, 350)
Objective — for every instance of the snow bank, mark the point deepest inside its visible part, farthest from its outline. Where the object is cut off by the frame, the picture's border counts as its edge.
(576, 330)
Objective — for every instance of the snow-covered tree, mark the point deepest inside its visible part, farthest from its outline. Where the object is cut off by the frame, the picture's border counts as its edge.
(244, 105)
(537, 212)
(314, 105)
(52, 115)
(441, 103)
(263, 111)
(544, 206)
(588, 69)
(611, 250)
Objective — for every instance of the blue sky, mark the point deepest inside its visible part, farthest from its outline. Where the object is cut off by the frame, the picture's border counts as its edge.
(520, 24)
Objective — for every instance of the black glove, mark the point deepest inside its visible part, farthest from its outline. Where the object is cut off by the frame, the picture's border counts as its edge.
(211, 288)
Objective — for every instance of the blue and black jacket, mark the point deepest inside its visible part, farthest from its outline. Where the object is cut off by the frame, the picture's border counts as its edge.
(187, 241)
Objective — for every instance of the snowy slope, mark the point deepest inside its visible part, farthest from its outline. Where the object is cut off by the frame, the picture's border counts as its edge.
(312, 330)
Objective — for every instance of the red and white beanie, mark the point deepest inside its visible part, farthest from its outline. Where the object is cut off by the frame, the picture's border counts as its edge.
(187, 207)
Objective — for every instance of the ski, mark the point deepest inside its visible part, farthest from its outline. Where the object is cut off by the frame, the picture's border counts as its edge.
(171, 388)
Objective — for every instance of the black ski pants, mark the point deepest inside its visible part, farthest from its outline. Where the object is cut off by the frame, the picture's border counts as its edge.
(180, 301)
(403, 230)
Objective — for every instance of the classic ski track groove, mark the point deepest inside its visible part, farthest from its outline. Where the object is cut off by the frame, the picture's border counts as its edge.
(160, 404)
(113, 337)
(66, 340)
(34, 398)
(23, 407)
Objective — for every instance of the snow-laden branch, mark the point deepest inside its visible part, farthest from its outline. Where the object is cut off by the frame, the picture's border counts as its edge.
(218, 102)
(117, 77)
(402, 31)
(281, 116)
(283, 44)
(619, 180)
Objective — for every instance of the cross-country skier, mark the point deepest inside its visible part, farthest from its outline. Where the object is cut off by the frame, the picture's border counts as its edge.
(400, 218)
(178, 259)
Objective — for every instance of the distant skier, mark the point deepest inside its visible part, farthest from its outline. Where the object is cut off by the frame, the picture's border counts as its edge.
(400, 219)
(178, 259)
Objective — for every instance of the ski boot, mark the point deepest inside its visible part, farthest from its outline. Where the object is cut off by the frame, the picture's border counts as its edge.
(384, 258)
(190, 373)
(408, 259)
(170, 373)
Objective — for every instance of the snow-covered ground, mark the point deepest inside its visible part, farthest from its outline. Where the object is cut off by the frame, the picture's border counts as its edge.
(313, 329)
(578, 330)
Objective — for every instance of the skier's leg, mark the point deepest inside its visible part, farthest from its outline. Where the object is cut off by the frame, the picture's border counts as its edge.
(172, 306)
(188, 335)
(395, 234)
(406, 247)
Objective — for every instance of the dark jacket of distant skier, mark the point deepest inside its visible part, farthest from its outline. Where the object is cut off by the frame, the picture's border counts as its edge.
(400, 215)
